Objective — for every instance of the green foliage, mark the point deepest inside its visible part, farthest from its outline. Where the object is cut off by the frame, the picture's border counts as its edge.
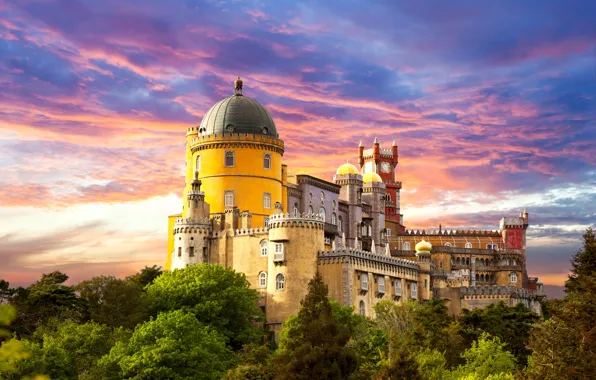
(113, 302)
(174, 346)
(512, 325)
(487, 357)
(146, 275)
(47, 298)
(315, 344)
(254, 365)
(5, 291)
(583, 263)
(432, 364)
(217, 296)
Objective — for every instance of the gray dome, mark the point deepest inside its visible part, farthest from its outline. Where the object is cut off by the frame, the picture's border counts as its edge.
(238, 114)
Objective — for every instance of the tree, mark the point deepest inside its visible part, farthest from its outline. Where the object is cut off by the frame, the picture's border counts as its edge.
(217, 296)
(113, 302)
(583, 263)
(146, 275)
(5, 291)
(315, 346)
(47, 298)
(512, 325)
(174, 346)
(487, 357)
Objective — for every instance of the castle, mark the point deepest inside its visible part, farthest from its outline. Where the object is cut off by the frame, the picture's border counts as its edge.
(243, 209)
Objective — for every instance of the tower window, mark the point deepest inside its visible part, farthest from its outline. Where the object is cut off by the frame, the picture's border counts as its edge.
(263, 280)
(361, 308)
(266, 222)
(340, 224)
(179, 251)
(381, 284)
(414, 290)
(322, 196)
(295, 209)
(264, 245)
(513, 277)
(388, 232)
(229, 198)
(363, 281)
(322, 212)
(230, 159)
(447, 244)
(191, 252)
(267, 200)
(468, 245)
(333, 219)
(198, 164)
(310, 210)
(280, 282)
(407, 246)
(267, 161)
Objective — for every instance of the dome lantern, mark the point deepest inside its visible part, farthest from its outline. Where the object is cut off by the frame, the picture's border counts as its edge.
(238, 86)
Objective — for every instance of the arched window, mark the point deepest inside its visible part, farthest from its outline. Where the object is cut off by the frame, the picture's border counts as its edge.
(264, 245)
(263, 280)
(322, 212)
(229, 198)
(295, 209)
(266, 222)
(310, 197)
(310, 210)
(363, 281)
(267, 161)
(362, 308)
(230, 159)
(364, 230)
(414, 290)
(513, 277)
(266, 200)
(407, 246)
(447, 244)
(198, 164)
(340, 224)
(468, 245)
(322, 196)
(333, 219)
(280, 282)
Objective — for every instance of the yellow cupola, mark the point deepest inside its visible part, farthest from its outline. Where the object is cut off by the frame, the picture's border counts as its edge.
(346, 169)
(371, 178)
(423, 247)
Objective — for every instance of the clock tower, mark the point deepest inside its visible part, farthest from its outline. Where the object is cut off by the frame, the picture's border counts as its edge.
(383, 161)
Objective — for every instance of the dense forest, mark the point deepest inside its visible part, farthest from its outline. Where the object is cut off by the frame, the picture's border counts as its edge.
(203, 322)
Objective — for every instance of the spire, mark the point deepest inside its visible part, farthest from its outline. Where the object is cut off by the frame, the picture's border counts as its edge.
(394, 143)
(238, 86)
(376, 140)
(360, 144)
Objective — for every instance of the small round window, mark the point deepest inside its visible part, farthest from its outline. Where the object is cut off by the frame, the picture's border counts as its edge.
(265, 131)
(230, 128)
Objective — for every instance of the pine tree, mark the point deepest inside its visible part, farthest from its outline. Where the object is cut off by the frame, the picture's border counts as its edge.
(315, 348)
(583, 263)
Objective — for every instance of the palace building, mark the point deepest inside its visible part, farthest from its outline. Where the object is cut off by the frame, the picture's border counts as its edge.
(242, 208)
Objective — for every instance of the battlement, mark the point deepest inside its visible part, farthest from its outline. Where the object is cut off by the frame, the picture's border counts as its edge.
(441, 232)
(191, 222)
(376, 187)
(192, 131)
(514, 222)
(236, 138)
(251, 231)
(386, 152)
(300, 220)
(497, 290)
(327, 256)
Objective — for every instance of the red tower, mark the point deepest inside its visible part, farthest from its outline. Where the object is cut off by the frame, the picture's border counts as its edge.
(383, 161)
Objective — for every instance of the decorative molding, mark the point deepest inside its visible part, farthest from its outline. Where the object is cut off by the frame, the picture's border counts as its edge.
(318, 183)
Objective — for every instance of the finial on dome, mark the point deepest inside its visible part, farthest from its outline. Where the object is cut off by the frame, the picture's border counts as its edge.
(238, 86)
(196, 174)
(394, 143)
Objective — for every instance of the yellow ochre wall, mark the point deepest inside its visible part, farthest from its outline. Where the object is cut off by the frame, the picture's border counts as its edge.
(248, 179)
(171, 220)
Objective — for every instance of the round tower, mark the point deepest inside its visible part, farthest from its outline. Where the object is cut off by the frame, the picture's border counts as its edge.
(190, 242)
(373, 193)
(238, 156)
(350, 180)
(294, 243)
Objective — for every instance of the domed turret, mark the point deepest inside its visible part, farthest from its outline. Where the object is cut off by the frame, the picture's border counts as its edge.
(372, 177)
(423, 247)
(346, 169)
(238, 114)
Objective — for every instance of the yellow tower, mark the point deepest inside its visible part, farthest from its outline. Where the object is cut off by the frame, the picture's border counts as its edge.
(238, 154)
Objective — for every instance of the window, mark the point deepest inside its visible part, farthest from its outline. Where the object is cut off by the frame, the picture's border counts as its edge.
(425, 283)
(262, 280)
(447, 244)
(333, 219)
(198, 164)
(267, 161)
(397, 287)
(295, 209)
(468, 245)
(179, 251)
(266, 222)
(513, 277)
(229, 161)
(322, 196)
(334, 204)
(310, 197)
(340, 225)
(322, 212)
(388, 232)
(310, 210)
(278, 252)
(441, 265)
(407, 246)
(364, 230)
(229, 199)
(267, 200)
(414, 289)
(264, 245)
(280, 282)
(361, 308)
(364, 281)
(492, 246)
(191, 252)
(381, 284)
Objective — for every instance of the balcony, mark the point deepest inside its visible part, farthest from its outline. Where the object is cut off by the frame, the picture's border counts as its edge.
(279, 257)
(330, 229)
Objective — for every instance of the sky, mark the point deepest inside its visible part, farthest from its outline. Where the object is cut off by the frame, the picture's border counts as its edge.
(492, 104)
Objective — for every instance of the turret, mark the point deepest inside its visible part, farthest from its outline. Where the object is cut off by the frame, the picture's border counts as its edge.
(361, 154)
(395, 153)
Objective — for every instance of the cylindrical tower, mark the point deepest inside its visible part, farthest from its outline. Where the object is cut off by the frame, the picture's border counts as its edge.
(294, 243)
(350, 180)
(238, 155)
(373, 193)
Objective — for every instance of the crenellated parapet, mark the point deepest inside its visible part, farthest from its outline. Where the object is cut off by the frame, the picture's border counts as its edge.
(184, 222)
(441, 232)
(306, 220)
(365, 258)
(237, 140)
(251, 231)
(497, 290)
